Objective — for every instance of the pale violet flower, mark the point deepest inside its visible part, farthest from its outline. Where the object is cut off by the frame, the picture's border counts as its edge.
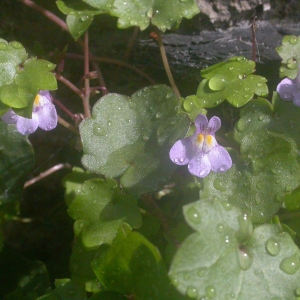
(43, 115)
(201, 152)
(289, 89)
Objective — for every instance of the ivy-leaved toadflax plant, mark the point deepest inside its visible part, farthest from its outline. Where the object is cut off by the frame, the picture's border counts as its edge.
(201, 152)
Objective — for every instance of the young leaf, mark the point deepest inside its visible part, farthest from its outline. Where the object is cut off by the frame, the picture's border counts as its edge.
(231, 80)
(22, 78)
(131, 137)
(99, 209)
(79, 16)
(165, 14)
(226, 259)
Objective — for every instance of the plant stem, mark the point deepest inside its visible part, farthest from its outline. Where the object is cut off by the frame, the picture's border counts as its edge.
(46, 173)
(47, 14)
(166, 63)
(86, 98)
(69, 84)
(68, 112)
(64, 123)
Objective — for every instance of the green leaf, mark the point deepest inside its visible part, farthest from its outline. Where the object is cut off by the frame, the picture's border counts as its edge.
(16, 160)
(131, 137)
(99, 209)
(190, 106)
(133, 266)
(225, 259)
(80, 267)
(79, 16)
(231, 80)
(165, 14)
(11, 56)
(289, 52)
(72, 182)
(65, 289)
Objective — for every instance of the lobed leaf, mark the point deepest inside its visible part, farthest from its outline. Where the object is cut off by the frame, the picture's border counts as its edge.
(22, 78)
(226, 259)
(165, 14)
(130, 138)
(289, 52)
(99, 209)
(231, 80)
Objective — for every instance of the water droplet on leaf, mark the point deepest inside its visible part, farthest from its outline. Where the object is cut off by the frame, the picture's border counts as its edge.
(210, 291)
(201, 272)
(290, 265)
(226, 205)
(293, 40)
(220, 228)
(3, 46)
(272, 246)
(193, 215)
(219, 185)
(191, 292)
(244, 259)
(16, 45)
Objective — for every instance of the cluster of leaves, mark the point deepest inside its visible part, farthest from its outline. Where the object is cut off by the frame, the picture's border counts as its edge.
(136, 215)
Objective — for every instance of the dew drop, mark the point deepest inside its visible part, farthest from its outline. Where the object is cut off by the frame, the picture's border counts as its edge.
(149, 12)
(272, 247)
(193, 215)
(293, 40)
(244, 259)
(227, 241)
(226, 205)
(188, 105)
(210, 291)
(202, 172)
(187, 276)
(259, 84)
(16, 45)
(219, 185)
(287, 96)
(201, 272)
(246, 89)
(3, 46)
(175, 281)
(282, 69)
(290, 265)
(176, 160)
(220, 228)
(84, 18)
(230, 68)
(191, 292)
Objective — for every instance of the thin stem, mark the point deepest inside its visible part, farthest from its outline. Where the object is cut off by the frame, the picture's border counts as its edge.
(166, 63)
(46, 173)
(155, 209)
(69, 84)
(113, 61)
(86, 99)
(69, 126)
(131, 42)
(68, 112)
(47, 14)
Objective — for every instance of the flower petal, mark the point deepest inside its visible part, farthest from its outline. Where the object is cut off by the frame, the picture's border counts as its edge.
(220, 159)
(201, 123)
(296, 99)
(10, 117)
(27, 126)
(286, 89)
(214, 124)
(199, 166)
(182, 151)
(47, 116)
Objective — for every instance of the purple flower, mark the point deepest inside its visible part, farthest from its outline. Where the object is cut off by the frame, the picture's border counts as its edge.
(43, 115)
(289, 89)
(201, 151)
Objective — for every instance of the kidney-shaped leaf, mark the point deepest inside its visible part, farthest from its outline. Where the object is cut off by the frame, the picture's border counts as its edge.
(131, 137)
(226, 259)
(165, 14)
